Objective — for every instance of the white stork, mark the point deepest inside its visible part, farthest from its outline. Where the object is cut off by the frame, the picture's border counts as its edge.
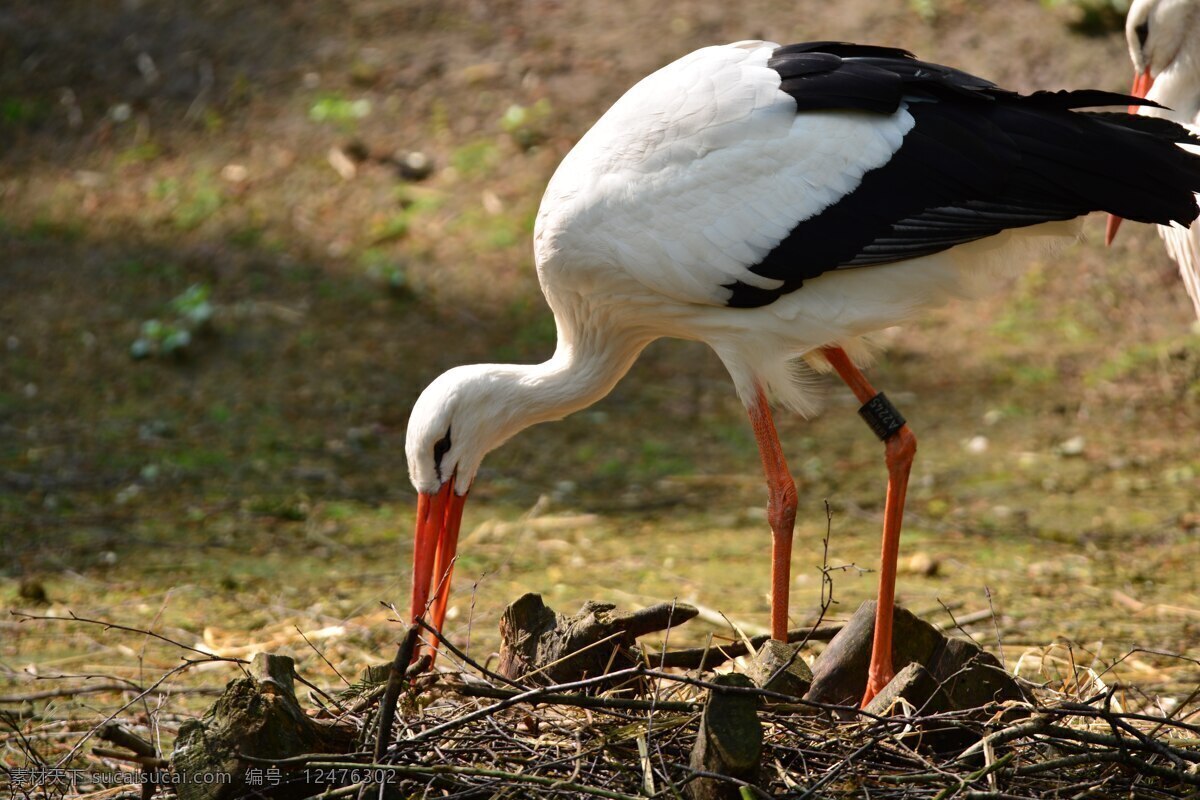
(1164, 44)
(779, 203)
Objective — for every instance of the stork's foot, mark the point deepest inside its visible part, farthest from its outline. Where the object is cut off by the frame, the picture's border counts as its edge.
(877, 679)
(847, 669)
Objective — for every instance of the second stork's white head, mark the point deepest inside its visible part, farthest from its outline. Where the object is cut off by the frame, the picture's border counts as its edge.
(1164, 45)
(1162, 36)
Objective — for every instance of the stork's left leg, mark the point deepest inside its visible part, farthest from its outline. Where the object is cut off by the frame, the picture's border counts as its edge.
(900, 445)
(781, 511)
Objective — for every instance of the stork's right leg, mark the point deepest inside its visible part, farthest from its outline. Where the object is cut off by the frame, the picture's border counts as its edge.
(781, 511)
(900, 445)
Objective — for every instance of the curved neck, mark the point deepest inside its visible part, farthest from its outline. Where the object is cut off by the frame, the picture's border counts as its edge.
(1177, 80)
(471, 410)
(1178, 88)
(579, 374)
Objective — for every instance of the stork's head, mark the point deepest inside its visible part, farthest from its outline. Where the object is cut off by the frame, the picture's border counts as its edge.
(1156, 31)
(448, 432)
(456, 421)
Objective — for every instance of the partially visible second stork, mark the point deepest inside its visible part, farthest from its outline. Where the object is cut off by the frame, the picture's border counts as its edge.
(779, 203)
(1164, 44)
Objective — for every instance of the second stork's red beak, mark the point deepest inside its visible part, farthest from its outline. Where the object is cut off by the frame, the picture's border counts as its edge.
(439, 516)
(1141, 86)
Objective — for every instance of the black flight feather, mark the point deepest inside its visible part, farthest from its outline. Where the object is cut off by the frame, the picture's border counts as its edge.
(978, 160)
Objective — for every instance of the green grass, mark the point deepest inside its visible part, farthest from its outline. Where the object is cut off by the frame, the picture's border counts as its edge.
(475, 159)
(339, 110)
(139, 154)
(17, 112)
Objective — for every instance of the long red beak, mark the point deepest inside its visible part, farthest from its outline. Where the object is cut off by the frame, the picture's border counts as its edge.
(438, 519)
(1141, 86)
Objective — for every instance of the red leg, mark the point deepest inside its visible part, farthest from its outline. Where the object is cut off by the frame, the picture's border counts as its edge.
(900, 448)
(781, 512)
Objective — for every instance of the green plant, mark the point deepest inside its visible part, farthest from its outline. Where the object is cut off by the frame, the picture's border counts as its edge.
(193, 306)
(339, 110)
(527, 125)
(192, 313)
(16, 112)
(160, 338)
(927, 10)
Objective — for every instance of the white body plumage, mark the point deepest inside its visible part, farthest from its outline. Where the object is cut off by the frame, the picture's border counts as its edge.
(780, 203)
(661, 204)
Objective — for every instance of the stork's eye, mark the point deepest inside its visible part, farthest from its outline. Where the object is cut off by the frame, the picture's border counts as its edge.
(1143, 33)
(439, 450)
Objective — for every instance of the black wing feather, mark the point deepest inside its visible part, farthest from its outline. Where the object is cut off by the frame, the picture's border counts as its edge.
(978, 160)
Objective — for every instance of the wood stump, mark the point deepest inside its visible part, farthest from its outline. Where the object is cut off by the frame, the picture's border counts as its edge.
(257, 716)
(729, 742)
(840, 672)
(779, 667)
(935, 673)
(541, 646)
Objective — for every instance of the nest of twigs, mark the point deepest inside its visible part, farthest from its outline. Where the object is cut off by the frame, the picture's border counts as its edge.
(467, 732)
(463, 731)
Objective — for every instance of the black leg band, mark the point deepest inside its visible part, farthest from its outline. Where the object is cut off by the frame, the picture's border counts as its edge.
(881, 416)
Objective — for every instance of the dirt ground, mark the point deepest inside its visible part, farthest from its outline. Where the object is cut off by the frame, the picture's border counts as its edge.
(252, 483)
